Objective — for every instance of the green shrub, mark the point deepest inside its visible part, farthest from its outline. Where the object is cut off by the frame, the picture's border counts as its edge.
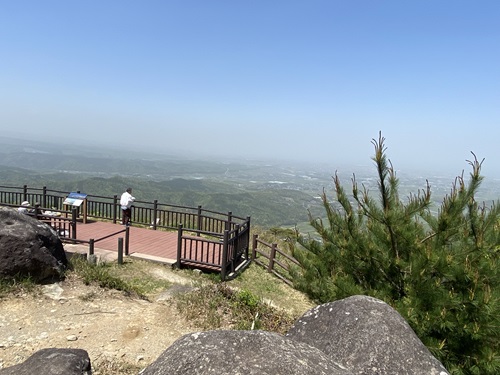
(216, 306)
(439, 271)
(101, 275)
(17, 285)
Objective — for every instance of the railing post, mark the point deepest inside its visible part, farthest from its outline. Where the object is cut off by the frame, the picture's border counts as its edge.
(91, 246)
(229, 220)
(155, 213)
(236, 247)
(179, 246)
(91, 257)
(25, 192)
(271, 258)
(37, 210)
(127, 240)
(120, 250)
(247, 240)
(254, 246)
(199, 223)
(74, 214)
(55, 202)
(115, 206)
(44, 197)
(224, 255)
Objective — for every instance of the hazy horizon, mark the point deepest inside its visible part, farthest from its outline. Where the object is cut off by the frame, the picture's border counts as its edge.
(346, 169)
(292, 80)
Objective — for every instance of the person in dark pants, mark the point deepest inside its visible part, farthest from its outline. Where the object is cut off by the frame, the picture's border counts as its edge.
(126, 202)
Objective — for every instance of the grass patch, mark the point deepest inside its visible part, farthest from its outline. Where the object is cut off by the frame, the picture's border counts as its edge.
(108, 367)
(217, 306)
(17, 286)
(131, 278)
(87, 297)
(261, 283)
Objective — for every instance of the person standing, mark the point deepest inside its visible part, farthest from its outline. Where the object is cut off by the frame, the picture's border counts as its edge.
(126, 202)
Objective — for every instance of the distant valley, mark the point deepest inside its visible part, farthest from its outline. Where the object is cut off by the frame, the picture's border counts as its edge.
(274, 194)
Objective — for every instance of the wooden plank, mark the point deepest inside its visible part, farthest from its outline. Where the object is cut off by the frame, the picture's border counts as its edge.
(156, 243)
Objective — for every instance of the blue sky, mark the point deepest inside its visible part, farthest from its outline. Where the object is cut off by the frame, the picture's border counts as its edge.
(310, 80)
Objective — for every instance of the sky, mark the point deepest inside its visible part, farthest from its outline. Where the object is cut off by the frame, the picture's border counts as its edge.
(304, 80)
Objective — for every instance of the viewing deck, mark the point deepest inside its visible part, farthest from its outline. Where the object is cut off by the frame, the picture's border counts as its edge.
(180, 235)
(145, 243)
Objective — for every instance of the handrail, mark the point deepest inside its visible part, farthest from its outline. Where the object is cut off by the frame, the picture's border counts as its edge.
(233, 231)
(145, 213)
(273, 256)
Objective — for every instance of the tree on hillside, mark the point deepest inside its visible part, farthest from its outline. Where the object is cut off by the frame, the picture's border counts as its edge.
(439, 271)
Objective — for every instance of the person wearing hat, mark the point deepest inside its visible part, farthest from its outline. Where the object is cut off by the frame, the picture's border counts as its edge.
(126, 202)
(23, 209)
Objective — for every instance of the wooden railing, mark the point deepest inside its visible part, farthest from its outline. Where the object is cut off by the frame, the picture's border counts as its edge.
(276, 261)
(224, 251)
(64, 222)
(221, 239)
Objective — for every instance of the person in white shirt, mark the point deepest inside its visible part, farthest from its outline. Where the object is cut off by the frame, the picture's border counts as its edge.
(126, 202)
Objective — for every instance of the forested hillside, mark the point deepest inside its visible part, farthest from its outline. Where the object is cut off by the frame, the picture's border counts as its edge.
(273, 193)
(246, 189)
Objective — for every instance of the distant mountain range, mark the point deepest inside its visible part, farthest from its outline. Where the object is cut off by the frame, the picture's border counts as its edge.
(273, 194)
(245, 189)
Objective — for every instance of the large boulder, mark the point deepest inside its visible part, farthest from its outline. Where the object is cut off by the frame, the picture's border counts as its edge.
(367, 336)
(29, 247)
(242, 352)
(53, 361)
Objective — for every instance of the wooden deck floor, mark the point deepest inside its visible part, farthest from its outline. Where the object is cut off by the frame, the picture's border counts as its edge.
(144, 243)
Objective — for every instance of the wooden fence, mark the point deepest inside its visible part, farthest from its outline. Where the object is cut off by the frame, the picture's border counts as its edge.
(207, 239)
(276, 261)
(65, 225)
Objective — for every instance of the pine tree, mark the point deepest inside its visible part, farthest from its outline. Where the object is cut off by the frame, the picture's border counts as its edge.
(439, 271)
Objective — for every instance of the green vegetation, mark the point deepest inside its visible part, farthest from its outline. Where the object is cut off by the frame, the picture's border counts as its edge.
(255, 300)
(215, 306)
(17, 286)
(439, 271)
(131, 278)
(239, 187)
(436, 266)
(266, 207)
(239, 304)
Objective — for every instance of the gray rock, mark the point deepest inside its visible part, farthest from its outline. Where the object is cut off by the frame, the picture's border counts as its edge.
(367, 336)
(241, 352)
(29, 247)
(53, 361)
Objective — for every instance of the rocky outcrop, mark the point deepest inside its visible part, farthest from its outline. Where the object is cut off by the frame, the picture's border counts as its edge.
(367, 336)
(29, 247)
(357, 335)
(242, 352)
(53, 361)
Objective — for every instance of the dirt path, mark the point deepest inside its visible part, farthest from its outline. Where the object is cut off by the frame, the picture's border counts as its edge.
(121, 334)
(107, 324)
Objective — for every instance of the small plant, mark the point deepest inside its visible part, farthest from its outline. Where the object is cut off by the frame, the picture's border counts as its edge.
(101, 275)
(216, 306)
(87, 297)
(108, 367)
(17, 285)
(246, 299)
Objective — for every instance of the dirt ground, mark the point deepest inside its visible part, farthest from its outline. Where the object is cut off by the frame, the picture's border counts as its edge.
(108, 325)
(121, 334)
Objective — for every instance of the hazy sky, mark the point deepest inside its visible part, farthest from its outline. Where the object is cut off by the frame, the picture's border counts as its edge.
(285, 79)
